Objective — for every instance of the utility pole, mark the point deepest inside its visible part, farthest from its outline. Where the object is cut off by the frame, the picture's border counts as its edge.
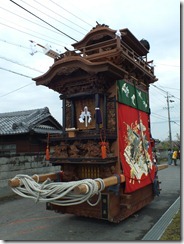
(169, 121)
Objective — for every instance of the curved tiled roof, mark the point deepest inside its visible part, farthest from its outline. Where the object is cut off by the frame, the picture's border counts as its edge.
(23, 121)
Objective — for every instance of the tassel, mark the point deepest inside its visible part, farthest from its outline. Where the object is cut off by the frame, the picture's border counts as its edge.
(103, 150)
(103, 144)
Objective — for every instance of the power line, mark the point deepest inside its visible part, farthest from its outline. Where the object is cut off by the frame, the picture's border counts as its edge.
(159, 122)
(28, 33)
(160, 91)
(165, 91)
(154, 99)
(153, 96)
(175, 123)
(168, 92)
(51, 16)
(159, 88)
(71, 13)
(162, 118)
(19, 87)
(23, 65)
(15, 72)
(43, 20)
(170, 88)
(168, 96)
(16, 90)
(61, 16)
(158, 116)
(34, 32)
(30, 21)
(81, 10)
(14, 44)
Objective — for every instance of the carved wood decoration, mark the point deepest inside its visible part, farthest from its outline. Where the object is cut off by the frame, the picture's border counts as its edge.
(111, 115)
(89, 149)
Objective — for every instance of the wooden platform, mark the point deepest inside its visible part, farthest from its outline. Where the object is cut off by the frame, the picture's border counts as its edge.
(113, 207)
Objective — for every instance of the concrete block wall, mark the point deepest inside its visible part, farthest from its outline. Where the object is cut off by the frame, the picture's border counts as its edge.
(22, 164)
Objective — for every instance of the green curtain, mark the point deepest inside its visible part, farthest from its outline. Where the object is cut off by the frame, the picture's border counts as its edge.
(128, 94)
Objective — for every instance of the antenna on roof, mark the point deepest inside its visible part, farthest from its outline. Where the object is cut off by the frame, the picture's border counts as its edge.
(47, 49)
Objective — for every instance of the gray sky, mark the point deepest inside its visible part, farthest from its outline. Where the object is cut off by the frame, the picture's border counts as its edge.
(157, 21)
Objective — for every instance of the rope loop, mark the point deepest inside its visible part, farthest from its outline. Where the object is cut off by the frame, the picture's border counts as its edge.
(59, 193)
(37, 177)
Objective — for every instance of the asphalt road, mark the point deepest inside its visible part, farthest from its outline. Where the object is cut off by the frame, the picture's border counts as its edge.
(24, 220)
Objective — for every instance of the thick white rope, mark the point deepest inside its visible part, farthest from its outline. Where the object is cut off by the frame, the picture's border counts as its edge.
(60, 193)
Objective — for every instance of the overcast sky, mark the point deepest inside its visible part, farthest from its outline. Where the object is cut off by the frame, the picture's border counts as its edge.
(157, 21)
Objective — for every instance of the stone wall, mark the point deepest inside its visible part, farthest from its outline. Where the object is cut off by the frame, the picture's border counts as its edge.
(23, 164)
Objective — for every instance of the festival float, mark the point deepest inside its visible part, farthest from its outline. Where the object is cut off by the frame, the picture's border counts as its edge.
(105, 151)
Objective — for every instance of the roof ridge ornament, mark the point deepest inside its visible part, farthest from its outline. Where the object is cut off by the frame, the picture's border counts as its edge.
(99, 25)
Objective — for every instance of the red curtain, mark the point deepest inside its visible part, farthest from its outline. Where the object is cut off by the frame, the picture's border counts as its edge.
(135, 147)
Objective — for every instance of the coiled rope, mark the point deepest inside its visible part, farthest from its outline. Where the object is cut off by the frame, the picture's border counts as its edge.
(60, 193)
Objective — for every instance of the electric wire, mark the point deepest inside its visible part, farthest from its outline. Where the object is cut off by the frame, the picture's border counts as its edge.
(159, 122)
(154, 99)
(15, 44)
(156, 87)
(162, 90)
(30, 34)
(175, 123)
(31, 21)
(43, 20)
(23, 65)
(4, 95)
(36, 33)
(161, 117)
(154, 115)
(60, 15)
(158, 115)
(11, 71)
(173, 109)
(71, 13)
(170, 88)
(82, 12)
(169, 94)
(52, 16)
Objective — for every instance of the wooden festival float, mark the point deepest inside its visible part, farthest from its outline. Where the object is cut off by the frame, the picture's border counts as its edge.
(105, 150)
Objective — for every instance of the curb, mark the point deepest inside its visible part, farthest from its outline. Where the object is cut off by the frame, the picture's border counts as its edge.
(155, 233)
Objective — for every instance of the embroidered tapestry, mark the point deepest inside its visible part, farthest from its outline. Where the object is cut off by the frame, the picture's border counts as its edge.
(134, 140)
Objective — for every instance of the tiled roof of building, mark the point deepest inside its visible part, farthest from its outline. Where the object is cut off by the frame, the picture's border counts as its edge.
(38, 120)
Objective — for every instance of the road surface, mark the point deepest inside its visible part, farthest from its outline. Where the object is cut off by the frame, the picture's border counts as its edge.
(24, 220)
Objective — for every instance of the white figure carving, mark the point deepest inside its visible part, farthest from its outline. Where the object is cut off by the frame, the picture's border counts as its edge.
(85, 116)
